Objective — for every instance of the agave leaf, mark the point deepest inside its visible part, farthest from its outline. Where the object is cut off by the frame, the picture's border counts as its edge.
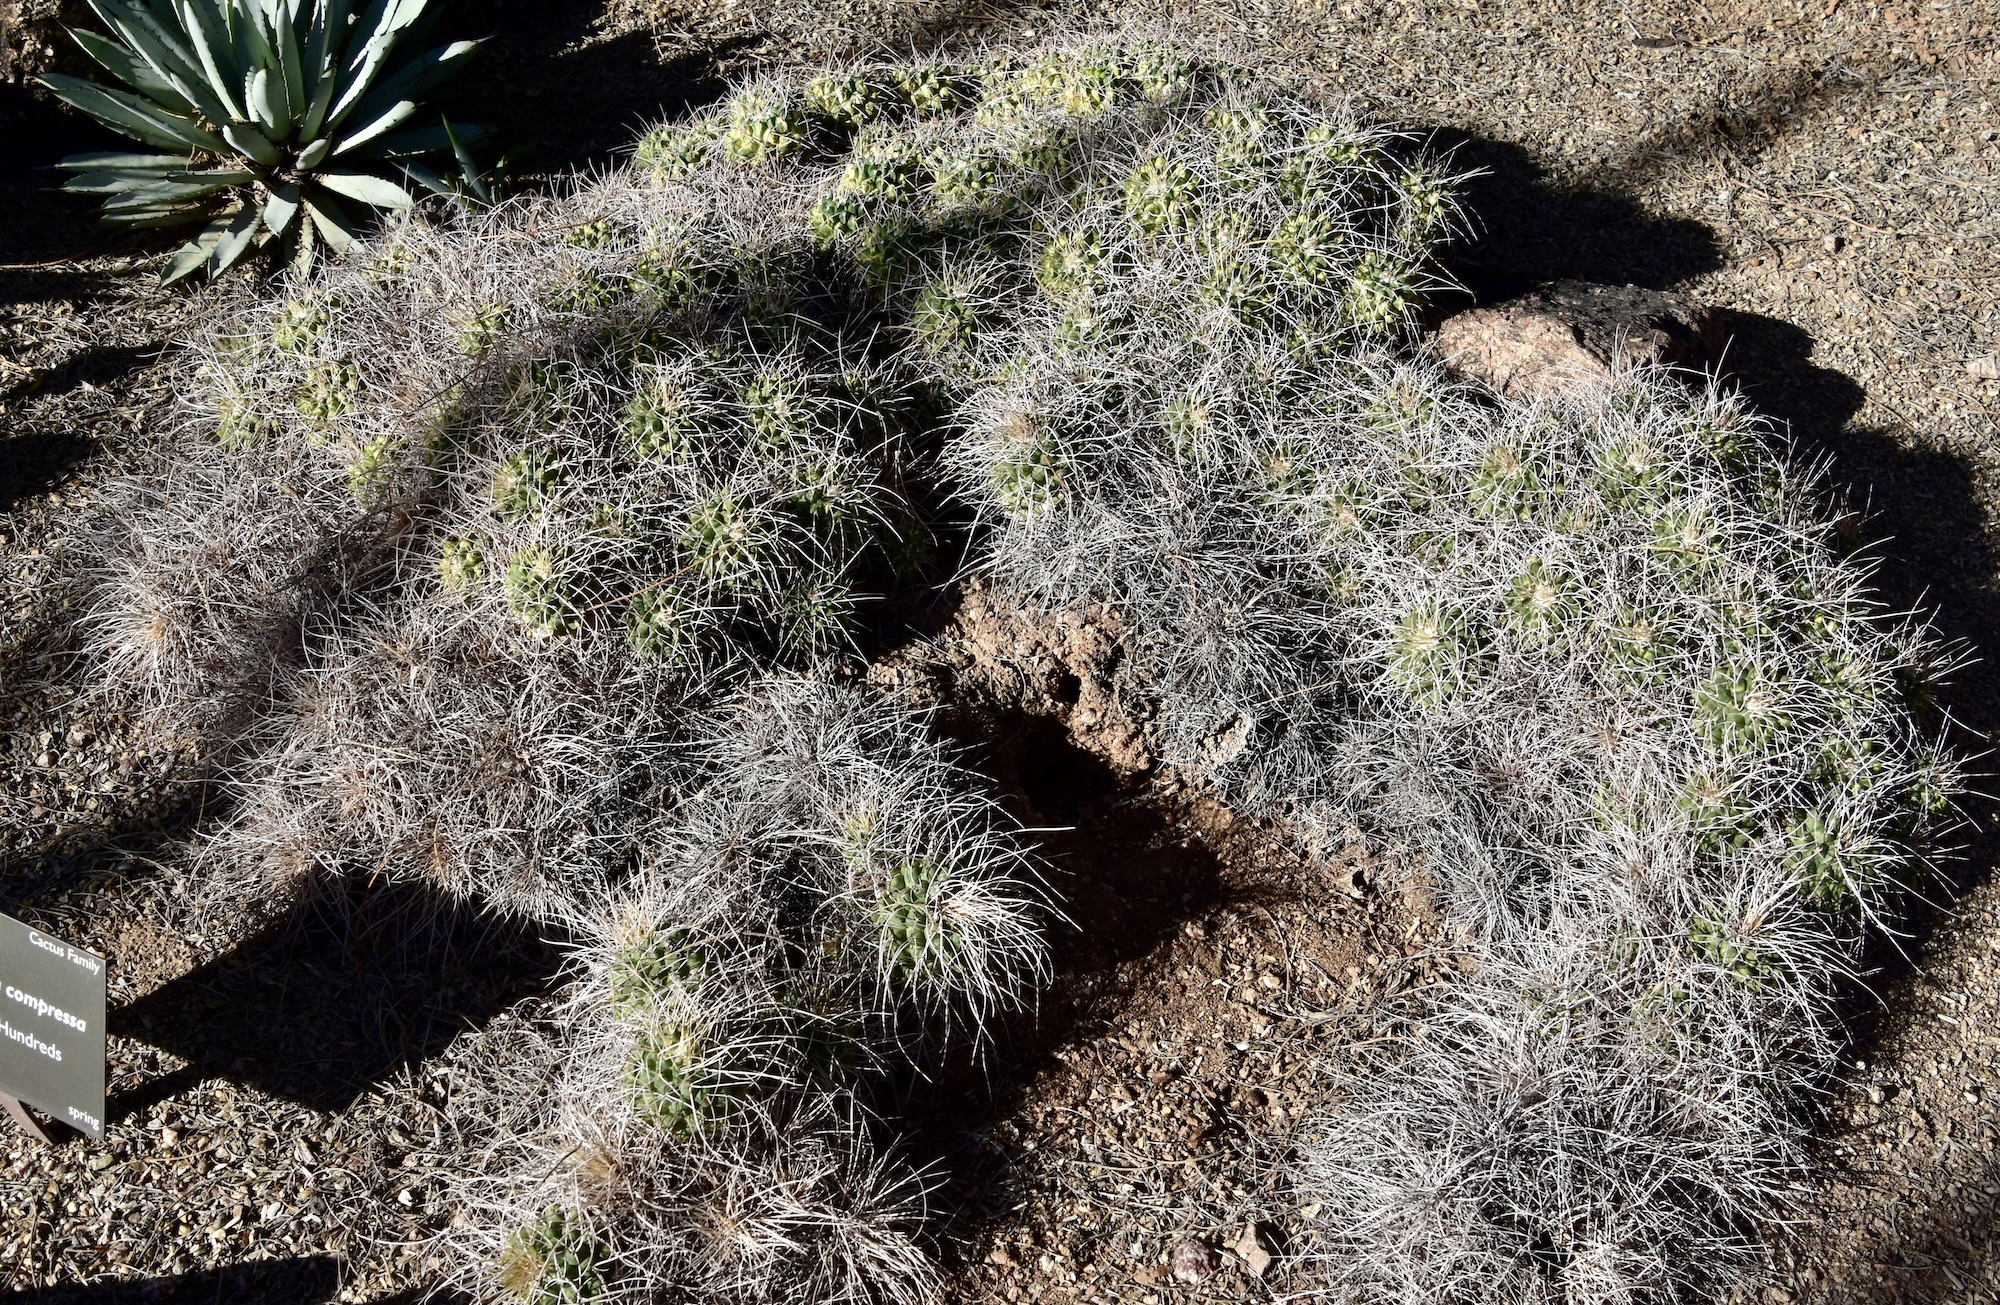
(134, 181)
(322, 53)
(420, 140)
(430, 179)
(382, 22)
(266, 97)
(330, 220)
(414, 78)
(127, 162)
(314, 154)
(131, 69)
(178, 215)
(369, 189)
(395, 117)
(132, 116)
(468, 170)
(195, 252)
(291, 69)
(169, 55)
(252, 143)
(215, 52)
(282, 208)
(236, 241)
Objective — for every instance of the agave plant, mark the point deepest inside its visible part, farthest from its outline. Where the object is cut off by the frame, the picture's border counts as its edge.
(269, 115)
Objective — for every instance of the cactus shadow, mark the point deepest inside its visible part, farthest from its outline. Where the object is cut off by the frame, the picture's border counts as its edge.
(558, 97)
(1124, 880)
(336, 996)
(1534, 228)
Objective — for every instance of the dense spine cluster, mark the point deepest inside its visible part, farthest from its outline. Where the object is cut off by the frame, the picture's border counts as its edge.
(492, 523)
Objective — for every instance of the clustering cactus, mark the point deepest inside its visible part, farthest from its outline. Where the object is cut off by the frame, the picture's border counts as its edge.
(767, 956)
(498, 517)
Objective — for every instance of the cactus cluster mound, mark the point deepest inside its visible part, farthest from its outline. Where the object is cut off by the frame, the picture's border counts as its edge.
(836, 888)
(520, 558)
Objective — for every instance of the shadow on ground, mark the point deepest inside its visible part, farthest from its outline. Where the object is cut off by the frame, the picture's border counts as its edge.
(303, 1280)
(335, 997)
(1124, 880)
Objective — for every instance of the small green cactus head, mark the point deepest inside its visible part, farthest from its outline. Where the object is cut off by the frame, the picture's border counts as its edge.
(674, 153)
(947, 315)
(719, 542)
(541, 596)
(661, 625)
(483, 330)
(967, 181)
(1716, 813)
(777, 408)
(763, 127)
(654, 970)
(1434, 652)
(303, 323)
(241, 423)
(660, 421)
(1512, 479)
(919, 938)
(371, 472)
(1044, 153)
(1741, 706)
(598, 233)
(1688, 537)
(1163, 76)
(932, 90)
(330, 391)
(461, 563)
(1073, 264)
(851, 99)
(1632, 471)
(1542, 604)
(523, 483)
(1636, 641)
(670, 1082)
(1188, 423)
(1305, 248)
(1836, 858)
(1423, 204)
(883, 170)
(1239, 142)
(813, 612)
(837, 217)
(889, 252)
(1730, 949)
(1028, 468)
(1381, 294)
(1161, 195)
(1236, 286)
(556, 1260)
(537, 391)
(827, 498)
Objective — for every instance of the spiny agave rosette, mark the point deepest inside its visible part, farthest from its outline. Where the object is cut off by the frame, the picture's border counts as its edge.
(274, 115)
(731, 1000)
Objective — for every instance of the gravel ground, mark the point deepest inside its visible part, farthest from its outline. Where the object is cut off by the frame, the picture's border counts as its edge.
(1825, 172)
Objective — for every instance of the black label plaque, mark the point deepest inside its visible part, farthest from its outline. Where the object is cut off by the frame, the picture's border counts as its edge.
(52, 1026)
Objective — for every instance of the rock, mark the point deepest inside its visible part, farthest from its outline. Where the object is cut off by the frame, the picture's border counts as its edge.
(1985, 368)
(1192, 1260)
(1250, 1248)
(1571, 332)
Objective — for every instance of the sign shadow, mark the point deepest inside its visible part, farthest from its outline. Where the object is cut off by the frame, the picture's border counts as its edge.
(302, 1280)
(335, 997)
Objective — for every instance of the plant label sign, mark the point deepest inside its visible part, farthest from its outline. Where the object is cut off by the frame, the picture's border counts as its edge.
(52, 1026)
